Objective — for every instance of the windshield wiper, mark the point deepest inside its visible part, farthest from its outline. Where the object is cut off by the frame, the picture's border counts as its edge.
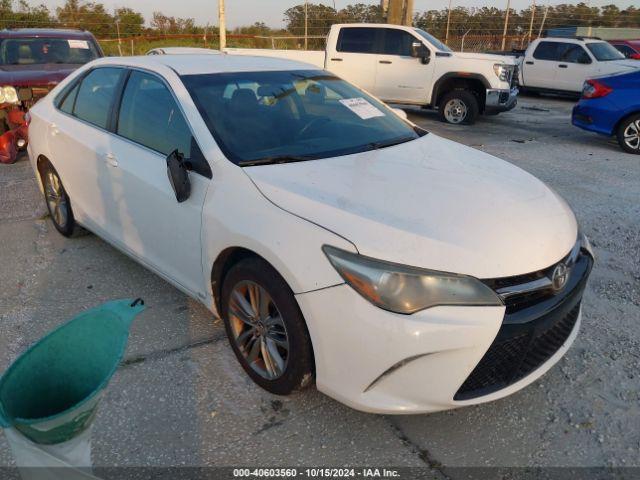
(276, 159)
(389, 143)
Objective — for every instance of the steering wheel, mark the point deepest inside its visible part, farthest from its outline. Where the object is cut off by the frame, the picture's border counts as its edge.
(313, 123)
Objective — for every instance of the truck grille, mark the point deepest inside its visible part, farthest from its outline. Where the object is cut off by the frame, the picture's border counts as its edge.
(536, 325)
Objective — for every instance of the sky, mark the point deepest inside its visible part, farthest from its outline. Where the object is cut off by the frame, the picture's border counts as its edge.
(247, 12)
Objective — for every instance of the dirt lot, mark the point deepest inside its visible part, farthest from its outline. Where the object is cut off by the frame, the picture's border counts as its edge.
(181, 398)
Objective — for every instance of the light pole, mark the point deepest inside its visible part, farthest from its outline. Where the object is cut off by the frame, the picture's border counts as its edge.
(446, 36)
(222, 25)
(533, 14)
(306, 24)
(506, 25)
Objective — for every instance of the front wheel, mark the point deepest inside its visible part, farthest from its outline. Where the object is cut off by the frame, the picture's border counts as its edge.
(459, 106)
(629, 134)
(266, 328)
(58, 202)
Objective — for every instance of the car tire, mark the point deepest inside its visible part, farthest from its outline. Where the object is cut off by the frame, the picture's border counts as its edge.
(265, 327)
(459, 107)
(629, 134)
(58, 202)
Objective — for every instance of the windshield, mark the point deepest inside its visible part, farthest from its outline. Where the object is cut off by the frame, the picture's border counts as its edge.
(273, 117)
(433, 40)
(604, 51)
(39, 51)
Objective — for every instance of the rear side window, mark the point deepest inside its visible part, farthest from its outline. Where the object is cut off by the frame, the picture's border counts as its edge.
(625, 50)
(95, 96)
(150, 116)
(397, 42)
(69, 100)
(357, 40)
(549, 51)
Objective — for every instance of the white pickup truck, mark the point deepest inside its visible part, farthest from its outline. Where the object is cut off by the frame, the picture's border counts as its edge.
(406, 65)
(563, 64)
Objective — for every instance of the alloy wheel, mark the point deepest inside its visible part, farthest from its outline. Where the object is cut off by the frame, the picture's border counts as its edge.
(632, 135)
(258, 329)
(56, 199)
(455, 111)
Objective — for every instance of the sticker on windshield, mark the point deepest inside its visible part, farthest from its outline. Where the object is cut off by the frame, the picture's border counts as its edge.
(362, 108)
(78, 44)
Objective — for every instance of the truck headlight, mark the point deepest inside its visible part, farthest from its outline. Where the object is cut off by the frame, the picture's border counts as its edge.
(9, 95)
(502, 71)
(405, 289)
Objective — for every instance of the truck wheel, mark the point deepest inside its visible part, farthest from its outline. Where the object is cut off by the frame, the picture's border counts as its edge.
(459, 106)
(629, 134)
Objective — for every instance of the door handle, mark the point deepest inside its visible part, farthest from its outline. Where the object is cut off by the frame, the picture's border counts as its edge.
(562, 65)
(529, 63)
(111, 159)
(386, 62)
(336, 59)
(53, 128)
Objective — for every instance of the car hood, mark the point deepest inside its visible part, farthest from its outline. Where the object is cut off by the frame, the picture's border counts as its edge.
(429, 203)
(506, 59)
(620, 65)
(35, 75)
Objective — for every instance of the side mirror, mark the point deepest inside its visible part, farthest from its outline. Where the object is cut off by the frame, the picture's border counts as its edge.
(177, 171)
(401, 113)
(418, 50)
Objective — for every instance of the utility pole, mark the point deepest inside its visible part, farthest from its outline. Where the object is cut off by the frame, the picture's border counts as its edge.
(544, 19)
(446, 36)
(533, 14)
(306, 24)
(407, 14)
(506, 25)
(399, 12)
(222, 25)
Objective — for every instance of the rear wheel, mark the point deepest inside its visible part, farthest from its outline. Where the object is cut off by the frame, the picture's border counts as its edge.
(629, 134)
(266, 328)
(58, 202)
(459, 106)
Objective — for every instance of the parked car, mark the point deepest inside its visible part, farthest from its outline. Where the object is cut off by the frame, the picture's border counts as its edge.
(405, 272)
(406, 65)
(611, 106)
(182, 51)
(32, 62)
(629, 48)
(561, 65)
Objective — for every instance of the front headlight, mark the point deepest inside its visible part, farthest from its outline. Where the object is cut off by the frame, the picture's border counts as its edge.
(404, 289)
(9, 95)
(502, 71)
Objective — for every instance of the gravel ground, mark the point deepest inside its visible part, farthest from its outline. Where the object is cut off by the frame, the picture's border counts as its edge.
(181, 399)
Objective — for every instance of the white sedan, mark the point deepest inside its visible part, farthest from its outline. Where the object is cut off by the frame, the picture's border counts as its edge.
(339, 242)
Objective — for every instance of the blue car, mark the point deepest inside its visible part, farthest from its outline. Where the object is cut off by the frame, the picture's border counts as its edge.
(611, 106)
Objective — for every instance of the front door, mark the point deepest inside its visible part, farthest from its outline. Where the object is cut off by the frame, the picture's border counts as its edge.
(400, 77)
(151, 223)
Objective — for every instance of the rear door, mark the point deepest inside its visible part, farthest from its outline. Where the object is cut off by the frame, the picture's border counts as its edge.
(79, 141)
(541, 68)
(151, 224)
(353, 58)
(399, 76)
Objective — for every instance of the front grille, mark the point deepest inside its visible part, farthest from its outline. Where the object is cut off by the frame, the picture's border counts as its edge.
(535, 326)
(512, 358)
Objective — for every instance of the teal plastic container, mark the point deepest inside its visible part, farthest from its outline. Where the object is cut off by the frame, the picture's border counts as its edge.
(50, 394)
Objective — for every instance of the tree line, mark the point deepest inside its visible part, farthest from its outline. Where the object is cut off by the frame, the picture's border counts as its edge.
(95, 17)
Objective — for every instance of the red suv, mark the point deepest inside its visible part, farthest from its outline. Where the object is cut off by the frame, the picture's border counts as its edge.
(32, 62)
(629, 48)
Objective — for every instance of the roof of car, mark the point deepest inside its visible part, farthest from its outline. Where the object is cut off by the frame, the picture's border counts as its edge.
(44, 32)
(574, 39)
(206, 63)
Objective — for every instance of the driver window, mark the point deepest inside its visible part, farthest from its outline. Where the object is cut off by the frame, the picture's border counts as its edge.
(397, 42)
(576, 54)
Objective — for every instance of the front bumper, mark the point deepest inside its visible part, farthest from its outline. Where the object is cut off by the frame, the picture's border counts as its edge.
(382, 362)
(500, 100)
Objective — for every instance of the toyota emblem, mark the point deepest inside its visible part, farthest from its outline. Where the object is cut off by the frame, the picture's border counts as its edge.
(560, 276)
